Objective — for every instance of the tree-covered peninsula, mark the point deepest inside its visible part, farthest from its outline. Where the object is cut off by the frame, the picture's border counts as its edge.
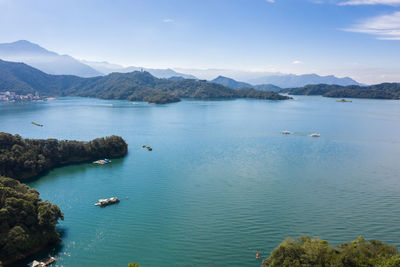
(378, 91)
(26, 158)
(305, 251)
(27, 223)
(135, 86)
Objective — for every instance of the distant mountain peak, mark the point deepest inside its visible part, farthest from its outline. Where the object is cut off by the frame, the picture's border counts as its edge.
(45, 60)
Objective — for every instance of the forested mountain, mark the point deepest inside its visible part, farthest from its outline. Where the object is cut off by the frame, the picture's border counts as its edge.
(44, 60)
(241, 85)
(23, 79)
(25, 158)
(378, 91)
(231, 82)
(138, 86)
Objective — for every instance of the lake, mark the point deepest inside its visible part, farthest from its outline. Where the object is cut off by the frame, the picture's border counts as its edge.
(222, 181)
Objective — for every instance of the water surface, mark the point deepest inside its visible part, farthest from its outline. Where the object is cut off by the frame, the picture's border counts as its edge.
(221, 181)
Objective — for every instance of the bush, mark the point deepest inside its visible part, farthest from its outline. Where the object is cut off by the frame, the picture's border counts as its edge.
(26, 222)
(306, 251)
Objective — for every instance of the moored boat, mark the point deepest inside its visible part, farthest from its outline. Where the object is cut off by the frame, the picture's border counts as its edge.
(46, 262)
(107, 201)
(315, 135)
(102, 161)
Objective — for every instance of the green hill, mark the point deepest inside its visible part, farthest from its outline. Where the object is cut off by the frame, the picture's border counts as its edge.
(379, 91)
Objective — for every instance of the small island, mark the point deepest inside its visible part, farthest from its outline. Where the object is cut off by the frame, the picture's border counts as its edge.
(26, 158)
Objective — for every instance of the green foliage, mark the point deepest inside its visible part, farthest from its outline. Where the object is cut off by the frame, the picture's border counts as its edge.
(133, 265)
(26, 222)
(134, 86)
(379, 91)
(306, 251)
(24, 158)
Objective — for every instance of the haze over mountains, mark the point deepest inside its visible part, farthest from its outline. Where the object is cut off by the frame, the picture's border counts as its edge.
(44, 60)
(278, 79)
(107, 68)
(53, 63)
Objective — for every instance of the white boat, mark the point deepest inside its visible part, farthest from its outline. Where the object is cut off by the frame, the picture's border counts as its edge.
(44, 263)
(286, 132)
(315, 135)
(107, 201)
(102, 161)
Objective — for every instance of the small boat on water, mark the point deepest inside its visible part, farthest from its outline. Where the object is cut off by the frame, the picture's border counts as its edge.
(258, 255)
(344, 100)
(286, 132)
(46, 262)
(107, 201)
(102, 161)
(148, 148)
(37, 124)
(315, 135)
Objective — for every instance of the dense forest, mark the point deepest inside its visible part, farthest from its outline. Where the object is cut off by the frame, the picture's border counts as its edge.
(25, 158)
(379, 91)
(26, 222)
(134, 86)
(306, 251)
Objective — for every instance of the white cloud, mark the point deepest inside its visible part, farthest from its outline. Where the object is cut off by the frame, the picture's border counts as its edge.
(167, 20)
(369, 2)
(270, 1)
(296, 62)
(385, 27)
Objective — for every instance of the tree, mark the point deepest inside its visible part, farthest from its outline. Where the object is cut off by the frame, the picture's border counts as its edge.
(306, 251)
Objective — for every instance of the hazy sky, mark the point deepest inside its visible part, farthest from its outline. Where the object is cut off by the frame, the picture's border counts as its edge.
(357, 38)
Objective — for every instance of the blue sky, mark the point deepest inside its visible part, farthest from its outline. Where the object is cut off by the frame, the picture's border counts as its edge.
(357, 38)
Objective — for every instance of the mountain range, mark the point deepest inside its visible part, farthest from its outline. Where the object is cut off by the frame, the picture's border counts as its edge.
(292, 80)
(278, 79)
(44, 60)
(107, 68)
(53, 63)
(135, 86)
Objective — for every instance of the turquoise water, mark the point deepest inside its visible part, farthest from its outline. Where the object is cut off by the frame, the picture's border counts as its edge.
(221, 181)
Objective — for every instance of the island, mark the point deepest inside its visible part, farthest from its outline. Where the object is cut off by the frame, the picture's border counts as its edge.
(26, 158)
(307, 251)
(27, 224)
(134, 86)
(378, 91)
